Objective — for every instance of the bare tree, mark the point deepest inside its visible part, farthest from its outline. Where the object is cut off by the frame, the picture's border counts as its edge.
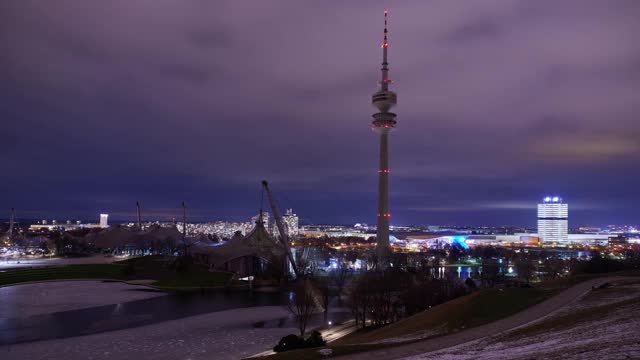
(325, 292)
(302, 303)
(554, 267)
(490, 272)
(384, 297)
(340, 276)
(359, 300)
(305, 264)
(525, 269)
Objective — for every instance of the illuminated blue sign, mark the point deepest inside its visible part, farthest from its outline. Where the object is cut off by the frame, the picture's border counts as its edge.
(460, 241)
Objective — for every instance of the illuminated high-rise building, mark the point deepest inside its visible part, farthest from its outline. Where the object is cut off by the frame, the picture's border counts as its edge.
(553, 223)
(104, 220)
(383, 122)
(291, 225)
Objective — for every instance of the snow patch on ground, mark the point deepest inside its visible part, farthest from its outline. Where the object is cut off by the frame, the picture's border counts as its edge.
(219, 335)
(617, 292)
(610, 337)
(413, 336)
(19, 301)
(594, 340)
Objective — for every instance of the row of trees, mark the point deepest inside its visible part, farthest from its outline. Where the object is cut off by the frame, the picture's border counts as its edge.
(382, 297)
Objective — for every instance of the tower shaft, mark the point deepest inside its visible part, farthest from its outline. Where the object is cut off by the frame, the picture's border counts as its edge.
(382, 238)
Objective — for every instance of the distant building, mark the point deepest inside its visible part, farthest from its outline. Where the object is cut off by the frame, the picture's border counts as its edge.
(291, 225)
(104, 220)
(553, 223)
(617, 240)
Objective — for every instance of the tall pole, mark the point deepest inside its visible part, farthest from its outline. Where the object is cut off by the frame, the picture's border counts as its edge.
(11, 223)
(184, 227)
(384, 121)
(139, 215)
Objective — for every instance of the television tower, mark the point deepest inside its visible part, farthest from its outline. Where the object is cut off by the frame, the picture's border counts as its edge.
(383, 122)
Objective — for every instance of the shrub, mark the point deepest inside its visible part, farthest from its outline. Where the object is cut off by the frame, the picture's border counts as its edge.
(292, 342)
(315, 340)
(289, 342)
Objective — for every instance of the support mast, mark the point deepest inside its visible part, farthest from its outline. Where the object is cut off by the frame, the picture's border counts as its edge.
(283, 235)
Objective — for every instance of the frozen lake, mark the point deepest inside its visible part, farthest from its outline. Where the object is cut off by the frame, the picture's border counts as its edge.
(112, 320)
(50, 310)
(20, 301)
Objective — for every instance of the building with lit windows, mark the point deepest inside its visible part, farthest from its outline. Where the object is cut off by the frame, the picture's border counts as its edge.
(291, 225)
(553, 224)
(104, 220)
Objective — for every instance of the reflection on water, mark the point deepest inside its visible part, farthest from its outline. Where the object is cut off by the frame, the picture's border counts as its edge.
(462, 272)
(129, 314)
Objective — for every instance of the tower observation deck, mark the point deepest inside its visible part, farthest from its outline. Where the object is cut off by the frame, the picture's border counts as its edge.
(383, 122)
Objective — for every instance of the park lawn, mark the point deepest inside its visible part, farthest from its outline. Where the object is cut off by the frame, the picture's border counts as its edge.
(475, 309)
(142, 268)
(84, 271)
(472, 310)
(157, 268)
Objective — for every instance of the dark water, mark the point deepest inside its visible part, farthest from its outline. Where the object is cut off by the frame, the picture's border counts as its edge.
(129, 314)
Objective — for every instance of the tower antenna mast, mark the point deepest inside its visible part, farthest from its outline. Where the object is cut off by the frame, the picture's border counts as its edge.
(383, 122)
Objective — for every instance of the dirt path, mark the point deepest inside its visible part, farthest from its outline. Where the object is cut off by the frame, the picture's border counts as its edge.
(534, 313)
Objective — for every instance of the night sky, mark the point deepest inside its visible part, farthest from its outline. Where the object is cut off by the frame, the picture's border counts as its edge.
(499, 103)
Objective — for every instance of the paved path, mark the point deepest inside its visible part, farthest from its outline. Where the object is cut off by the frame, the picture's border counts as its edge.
(331, 334)
(534, 313)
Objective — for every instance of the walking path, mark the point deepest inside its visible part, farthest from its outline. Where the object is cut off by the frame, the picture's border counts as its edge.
(331, 334)
(533, 314)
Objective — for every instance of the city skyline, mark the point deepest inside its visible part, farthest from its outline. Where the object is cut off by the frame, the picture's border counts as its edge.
(502, 104)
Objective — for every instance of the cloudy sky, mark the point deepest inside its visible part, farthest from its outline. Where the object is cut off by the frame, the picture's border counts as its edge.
(499, 103)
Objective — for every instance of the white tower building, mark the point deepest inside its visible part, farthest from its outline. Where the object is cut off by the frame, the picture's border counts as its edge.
(383, 122)
(291, 225)
(553, 224)
(104, 220)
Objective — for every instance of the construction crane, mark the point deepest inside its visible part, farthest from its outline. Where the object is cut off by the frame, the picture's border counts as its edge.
(284, 238)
